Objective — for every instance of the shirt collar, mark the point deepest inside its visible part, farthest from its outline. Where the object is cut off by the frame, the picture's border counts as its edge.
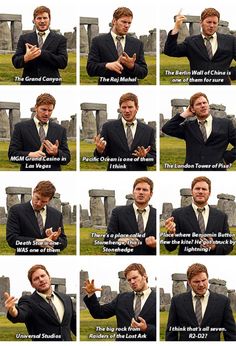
(114, 35)
(46, 32)
(124, 121)
(204, 295)
(208, 119)
(196, 207)
(37, 121)
(136, 208)
(44, 296)
(213, 35)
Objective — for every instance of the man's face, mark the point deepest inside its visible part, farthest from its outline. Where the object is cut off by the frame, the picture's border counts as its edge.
(121, 26)
(44, 112)
(200, 193)
(142, 194)
(41, 281)
(201, 108)
(137, 282)
(39, 201)
(199, 283)
(128, 110)
(209, 25)
(42, 21)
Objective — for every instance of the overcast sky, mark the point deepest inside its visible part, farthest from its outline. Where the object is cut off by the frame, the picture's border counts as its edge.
(168, 185)
(65, 107)
(166, 93)
(147, 99)
(66, 184)
(64, 14)
(144, 14)
(168, 9)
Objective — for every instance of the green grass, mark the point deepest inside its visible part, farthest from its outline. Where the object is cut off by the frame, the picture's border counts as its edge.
(88, 325)
(70, 231)
(172, 64)
(86, 150)
(163, 250)
(9, 330)
(6, 165)
(149, 80)
(8, 72)
(172, 151)
(163, 323)
(87, 246)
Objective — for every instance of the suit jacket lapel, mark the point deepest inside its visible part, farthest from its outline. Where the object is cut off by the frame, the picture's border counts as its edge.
(151, 218)
(199, 41)
(209, 309)
(196, 132)
(188, 308)
(215, 128)
(190, 215)
(44, 305)
(120, 131)
(33, 133)
(110, 46)
(131, 219)
(138, 135)
(31, 216)
(149, 303)
(48, 40)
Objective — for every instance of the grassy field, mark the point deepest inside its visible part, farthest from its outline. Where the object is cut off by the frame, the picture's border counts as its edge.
(6, 165)
(8, 72)
(87, 246)
(172, 151)
(149, 80)
(163, 323)
(163, 250)
(70, 231)
(173, 65)
(88, 327)
(86, 151)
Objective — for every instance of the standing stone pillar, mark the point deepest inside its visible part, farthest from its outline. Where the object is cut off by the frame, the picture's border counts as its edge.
(4, 287)
(218, 286)
(186, 197)
(14, 118)
(101, 118)
(130, 199)
(5, 36)
(232, 298)
(4, 124)
(83, 277)
(109, 205)
(97, 211)
(178, 285)
(56, 202)
(123, 283)
(227, 204)
(66, 212)
(84, 44)
(16, 30)
(178, 105)
(89, 128)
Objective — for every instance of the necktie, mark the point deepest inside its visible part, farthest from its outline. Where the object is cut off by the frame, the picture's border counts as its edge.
(129, 134)
(49, 299)
(203, 129)
(39, 220)
(119, 45)
(140, 220)
(201, 220)
(198, 309)
(209, 47)
(137, 307)
(41, 132)
(40, 39)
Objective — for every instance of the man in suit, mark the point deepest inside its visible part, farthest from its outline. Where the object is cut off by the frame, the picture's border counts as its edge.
(200, 314)
(41, 53)
(116, 57)
(132, 228)
(199, 229)
(48, 315)
(135, 311)
(209, 53)
(128, 144)
(207, 137)
(35, 228)
(39, 144)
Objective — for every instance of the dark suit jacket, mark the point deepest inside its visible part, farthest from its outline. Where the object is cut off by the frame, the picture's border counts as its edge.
(186, 223)
(39, 317)
(207, 156)
(103, 50)
(22, 229)
(123, 221)
(122, 308)
(44, 69)
(117, 147)
(25, 138)
(194, 49)
(218, 314)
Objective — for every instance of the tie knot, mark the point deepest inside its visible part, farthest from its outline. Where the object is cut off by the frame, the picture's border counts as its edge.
(140, 211)
(41, 34)
(129, 124)
(208, 38)
(200, 210)
(139, 294)
(42, 124)
(202, 122)
(119, 38)
(198, 296)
